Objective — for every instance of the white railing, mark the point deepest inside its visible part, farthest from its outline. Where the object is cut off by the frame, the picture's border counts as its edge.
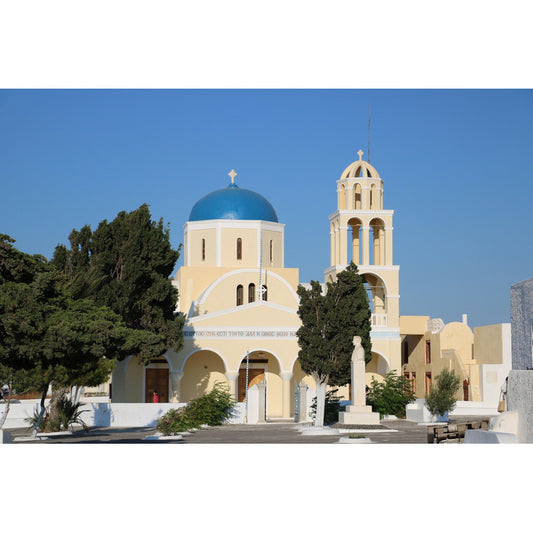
(379, 319)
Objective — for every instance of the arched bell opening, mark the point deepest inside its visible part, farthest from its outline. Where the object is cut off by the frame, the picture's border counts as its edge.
(377, 246)
(357, 196)
(342, 197)
(355, 224)
(377, 298)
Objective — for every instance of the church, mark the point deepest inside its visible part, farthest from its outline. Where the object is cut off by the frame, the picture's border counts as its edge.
(241, 303)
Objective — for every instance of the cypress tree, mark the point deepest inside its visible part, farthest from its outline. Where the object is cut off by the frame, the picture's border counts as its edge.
(329, 323)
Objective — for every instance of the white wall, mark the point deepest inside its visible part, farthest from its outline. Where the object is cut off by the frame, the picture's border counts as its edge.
(106, 414)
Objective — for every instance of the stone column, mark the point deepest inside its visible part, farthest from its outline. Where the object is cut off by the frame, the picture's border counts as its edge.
(261, 404)
(286, 402)
(302, 400)
(232, 378)
(175, 380)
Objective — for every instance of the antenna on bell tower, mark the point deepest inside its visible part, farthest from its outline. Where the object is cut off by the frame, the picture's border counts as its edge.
(369, 108)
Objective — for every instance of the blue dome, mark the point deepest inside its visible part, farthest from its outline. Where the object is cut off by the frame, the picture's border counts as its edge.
(235, 204)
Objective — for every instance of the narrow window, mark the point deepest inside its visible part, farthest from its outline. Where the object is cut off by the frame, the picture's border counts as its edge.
(428, 382)
(271, 252)
(203, 249)
(428, 352)
(405, 353)
(239, 249)
(251, 293)
(239, 295)
(264, 293)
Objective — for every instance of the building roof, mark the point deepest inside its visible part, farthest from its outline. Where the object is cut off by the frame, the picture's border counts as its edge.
(233, 203)
(360, 169)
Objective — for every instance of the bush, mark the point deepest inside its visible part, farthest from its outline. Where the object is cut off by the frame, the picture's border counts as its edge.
(442, 398)
(212, 409)
(332, 407)
(390, 396)
(68, 413)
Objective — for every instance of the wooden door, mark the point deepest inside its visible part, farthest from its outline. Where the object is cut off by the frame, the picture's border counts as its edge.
(156, 380)
(255, 375)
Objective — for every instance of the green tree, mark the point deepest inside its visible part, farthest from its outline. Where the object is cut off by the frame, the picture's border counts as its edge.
(443, 395)
(47, 337)
(390, 396)
(126, 265)
(329, 323)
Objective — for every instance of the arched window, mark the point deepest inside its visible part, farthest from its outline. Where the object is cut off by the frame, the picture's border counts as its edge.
(239, 249)
(251, 293)
(357, 196)
(239, 295)
(203, 249)
(271, 252)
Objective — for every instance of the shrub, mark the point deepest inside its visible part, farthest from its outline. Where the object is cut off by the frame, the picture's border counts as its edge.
(174, 421)
(442, 397)
(390, 396)
(68, 413)
(212, 409)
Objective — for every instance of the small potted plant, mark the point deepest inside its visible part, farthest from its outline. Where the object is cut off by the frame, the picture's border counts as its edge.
(442, 397)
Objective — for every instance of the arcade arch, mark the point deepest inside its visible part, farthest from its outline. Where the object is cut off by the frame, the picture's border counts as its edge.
(201, 371)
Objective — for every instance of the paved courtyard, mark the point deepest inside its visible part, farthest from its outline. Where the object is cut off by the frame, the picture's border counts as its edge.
(391, 432)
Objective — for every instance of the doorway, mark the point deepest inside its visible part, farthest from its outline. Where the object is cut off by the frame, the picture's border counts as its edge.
(156, 380)
(255, 376)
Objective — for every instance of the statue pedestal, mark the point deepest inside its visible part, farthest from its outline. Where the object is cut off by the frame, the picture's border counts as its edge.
(359, 415)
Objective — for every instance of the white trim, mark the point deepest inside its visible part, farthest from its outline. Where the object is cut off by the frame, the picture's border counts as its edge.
(231, 223)
(188, 237)
(240, 332)
(205, 293)
(355, 212)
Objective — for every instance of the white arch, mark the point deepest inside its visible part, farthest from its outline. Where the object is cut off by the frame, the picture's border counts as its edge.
(384, 361)
(204, 295)
(203, 350)
(267, 351)
(373, 273)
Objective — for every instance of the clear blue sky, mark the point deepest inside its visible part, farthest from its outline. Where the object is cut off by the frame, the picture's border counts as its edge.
(457, 167)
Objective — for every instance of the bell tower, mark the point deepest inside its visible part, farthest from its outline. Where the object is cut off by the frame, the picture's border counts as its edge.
(361, 231)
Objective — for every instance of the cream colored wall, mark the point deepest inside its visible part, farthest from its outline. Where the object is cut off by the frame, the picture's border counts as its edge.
(195, 247)
(488, 343)
(413, 325)
(277, 249)
(229, 247)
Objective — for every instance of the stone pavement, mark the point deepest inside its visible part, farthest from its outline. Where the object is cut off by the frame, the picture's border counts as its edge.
(397, 432)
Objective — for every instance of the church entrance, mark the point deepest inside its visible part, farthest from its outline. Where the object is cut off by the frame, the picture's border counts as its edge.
(255, 376)
(156, 380)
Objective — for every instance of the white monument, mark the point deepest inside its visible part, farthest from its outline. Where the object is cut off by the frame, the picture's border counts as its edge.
(358, 413)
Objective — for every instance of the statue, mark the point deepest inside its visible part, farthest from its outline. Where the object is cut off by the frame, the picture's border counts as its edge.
(358, 353)
(358, 373)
